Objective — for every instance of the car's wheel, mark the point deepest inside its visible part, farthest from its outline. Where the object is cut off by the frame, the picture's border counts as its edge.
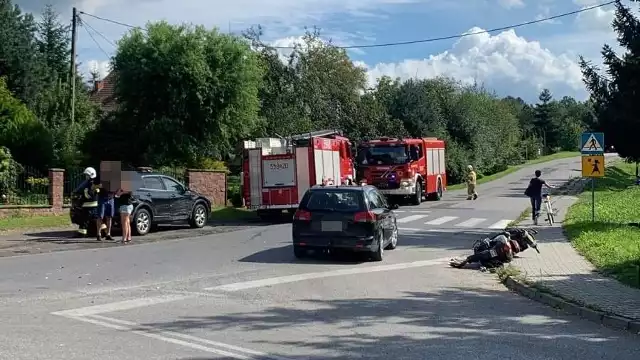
(299, 252)
(199, 216)
(417, 197)
(142, 222)
(378, 254)
(394, 238)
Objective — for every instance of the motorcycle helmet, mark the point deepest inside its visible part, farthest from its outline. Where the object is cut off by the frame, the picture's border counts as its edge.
(90, 172)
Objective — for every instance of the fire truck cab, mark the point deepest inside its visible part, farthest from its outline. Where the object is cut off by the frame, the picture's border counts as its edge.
(413, 168)
(276, 172)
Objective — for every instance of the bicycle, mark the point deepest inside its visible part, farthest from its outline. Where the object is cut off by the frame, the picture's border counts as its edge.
(548, 206)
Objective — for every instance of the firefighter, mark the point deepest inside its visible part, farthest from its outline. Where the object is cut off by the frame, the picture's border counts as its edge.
(90, 200)
(471, 184)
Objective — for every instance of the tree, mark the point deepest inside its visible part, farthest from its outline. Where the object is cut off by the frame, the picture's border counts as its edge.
(615, 98)
(19, 60)
(184, 92)
(22, 133)
(54, 44)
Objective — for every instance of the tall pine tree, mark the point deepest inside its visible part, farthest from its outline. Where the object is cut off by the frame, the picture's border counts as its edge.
(616, 96)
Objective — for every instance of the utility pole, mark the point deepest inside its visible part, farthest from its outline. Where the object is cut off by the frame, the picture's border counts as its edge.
(74, 35)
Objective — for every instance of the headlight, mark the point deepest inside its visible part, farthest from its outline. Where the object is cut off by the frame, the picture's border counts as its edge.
(405, 184)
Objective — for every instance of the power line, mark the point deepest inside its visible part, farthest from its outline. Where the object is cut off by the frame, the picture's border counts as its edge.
(411, 42)
(84, 22)
(94, 40)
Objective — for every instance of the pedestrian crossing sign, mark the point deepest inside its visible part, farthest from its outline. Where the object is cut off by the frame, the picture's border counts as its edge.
(592, 143)
(593, 166)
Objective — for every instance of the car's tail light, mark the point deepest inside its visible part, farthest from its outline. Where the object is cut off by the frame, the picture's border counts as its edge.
(364, 216)
(302, 215)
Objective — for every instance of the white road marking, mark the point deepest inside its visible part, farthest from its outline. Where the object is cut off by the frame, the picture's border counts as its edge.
(500, 224)
(414, 230)
(471, 222)
(410, 218)
(410, 229)
(325, 274)
(229, 347)
(175, 338)
(442, 220)
(120, 305)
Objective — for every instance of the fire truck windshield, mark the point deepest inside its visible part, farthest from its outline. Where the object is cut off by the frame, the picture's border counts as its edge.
(382, 155)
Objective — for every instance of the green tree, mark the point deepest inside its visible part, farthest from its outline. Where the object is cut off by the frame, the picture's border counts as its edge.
(615, 97)
(54, 44)
(19, 60)
(22, 133)
(184, 92)
(544, 121)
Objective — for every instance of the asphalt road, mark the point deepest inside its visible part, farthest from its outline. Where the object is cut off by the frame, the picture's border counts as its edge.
(242, 295)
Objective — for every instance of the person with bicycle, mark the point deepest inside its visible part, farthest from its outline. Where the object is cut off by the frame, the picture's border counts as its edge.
(534, 192)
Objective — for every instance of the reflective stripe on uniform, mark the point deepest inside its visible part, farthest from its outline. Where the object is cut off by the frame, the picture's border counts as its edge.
(90, 204)
(82, 231)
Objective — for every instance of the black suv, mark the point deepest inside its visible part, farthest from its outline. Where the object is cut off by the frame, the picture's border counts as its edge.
(158, 199)
(356, 218)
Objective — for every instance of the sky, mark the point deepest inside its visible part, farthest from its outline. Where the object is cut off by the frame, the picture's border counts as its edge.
(518, 62)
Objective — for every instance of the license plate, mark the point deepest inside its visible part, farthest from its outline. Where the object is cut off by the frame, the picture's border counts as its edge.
(493, 253)
(382, 185)
(332, 226)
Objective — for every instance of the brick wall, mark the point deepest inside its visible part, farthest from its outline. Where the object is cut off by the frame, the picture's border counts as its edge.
(210, 183)
(56, 199)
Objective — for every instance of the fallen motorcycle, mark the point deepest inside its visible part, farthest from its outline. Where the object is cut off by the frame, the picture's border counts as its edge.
(496, 250)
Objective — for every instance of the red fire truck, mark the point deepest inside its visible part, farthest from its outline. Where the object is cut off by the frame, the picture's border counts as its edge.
(276, 172)
(412, 168)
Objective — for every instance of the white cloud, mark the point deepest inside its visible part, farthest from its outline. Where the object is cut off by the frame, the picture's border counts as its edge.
(505, 62)
(598, 19)
(101, 67)
(509, 4)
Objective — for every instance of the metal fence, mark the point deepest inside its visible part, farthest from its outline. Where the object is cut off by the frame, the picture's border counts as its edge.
(175, 172)
(72, 179)
(24, 185)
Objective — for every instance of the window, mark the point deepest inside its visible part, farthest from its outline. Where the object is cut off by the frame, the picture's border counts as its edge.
(381, 199)
(153, 183)
(374, 200)
(173, 185)
(333, 200)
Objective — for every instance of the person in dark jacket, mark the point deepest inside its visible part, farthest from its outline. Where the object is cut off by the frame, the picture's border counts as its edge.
(106, 210)
(534, 192)
(89, 197)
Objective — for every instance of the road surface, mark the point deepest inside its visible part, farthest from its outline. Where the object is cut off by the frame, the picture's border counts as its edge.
(242, 295)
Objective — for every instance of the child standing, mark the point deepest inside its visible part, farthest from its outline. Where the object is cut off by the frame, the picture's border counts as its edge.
(125, 206)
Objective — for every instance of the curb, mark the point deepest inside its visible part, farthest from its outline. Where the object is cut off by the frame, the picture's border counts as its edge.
(606, 319)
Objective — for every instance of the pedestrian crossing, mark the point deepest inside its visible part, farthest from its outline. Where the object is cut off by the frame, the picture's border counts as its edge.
(430, 220)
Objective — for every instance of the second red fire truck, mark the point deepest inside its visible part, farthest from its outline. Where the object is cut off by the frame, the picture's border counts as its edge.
(413, 168)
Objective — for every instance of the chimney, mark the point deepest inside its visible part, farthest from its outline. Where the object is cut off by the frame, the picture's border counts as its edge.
(98, 85)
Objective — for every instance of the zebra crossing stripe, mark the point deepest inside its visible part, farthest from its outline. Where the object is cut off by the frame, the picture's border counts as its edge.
(500, 224)
(442, 220)
(471, 222)
(411, 218)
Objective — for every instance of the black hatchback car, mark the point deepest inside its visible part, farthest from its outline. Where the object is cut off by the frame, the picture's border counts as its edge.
(157, 199)
(355, 218)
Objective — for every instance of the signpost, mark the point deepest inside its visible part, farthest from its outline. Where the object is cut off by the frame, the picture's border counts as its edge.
(592, 149)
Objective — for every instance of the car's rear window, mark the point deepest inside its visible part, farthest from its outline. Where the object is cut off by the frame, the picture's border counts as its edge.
(333, 200)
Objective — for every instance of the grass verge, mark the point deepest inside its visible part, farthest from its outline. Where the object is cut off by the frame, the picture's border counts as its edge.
(230, 213)
(611, 243)
(22, 222)
(512, 169)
